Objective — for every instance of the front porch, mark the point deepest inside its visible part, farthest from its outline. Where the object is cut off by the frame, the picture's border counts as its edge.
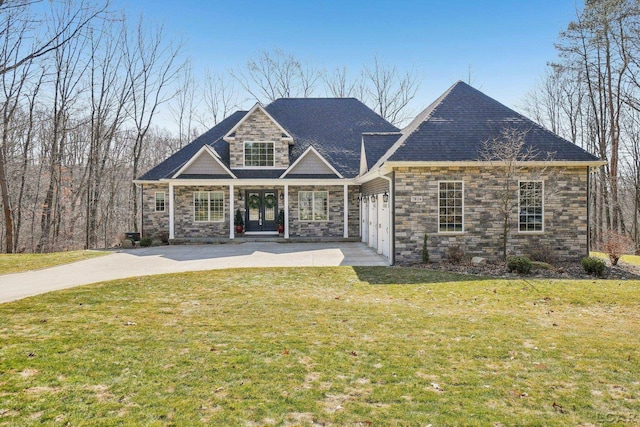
(199, 211)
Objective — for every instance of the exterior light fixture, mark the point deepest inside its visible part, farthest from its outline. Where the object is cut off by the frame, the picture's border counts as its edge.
(240, 196)
(385, 197)
(281, 196)
(373, 198)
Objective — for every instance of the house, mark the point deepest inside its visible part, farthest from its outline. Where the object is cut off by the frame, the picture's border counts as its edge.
(339, 171)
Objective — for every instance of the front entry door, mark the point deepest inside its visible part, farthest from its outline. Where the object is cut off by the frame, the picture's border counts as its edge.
(262, 211)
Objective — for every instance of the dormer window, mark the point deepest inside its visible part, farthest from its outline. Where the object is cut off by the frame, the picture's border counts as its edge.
(259, 154)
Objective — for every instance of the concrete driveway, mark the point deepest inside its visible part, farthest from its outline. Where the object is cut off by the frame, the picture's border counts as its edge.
(174, 259)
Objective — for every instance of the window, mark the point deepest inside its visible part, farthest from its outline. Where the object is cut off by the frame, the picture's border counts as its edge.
(208, 206)
(160, 201)
(450, 205)
(313, 206)
(530, 206)
(258, 154)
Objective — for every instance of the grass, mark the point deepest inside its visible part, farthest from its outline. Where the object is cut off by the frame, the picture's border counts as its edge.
(628, 259)
(16, 263)
(330, 346)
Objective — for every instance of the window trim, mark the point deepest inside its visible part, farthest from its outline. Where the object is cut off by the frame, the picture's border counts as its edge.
(520, 231)
(209, 211)
(462, 207)
(164, 201)
(244, 155)
(313, 206)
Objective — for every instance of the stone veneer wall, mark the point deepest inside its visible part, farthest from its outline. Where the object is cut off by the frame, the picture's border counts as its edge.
(259, 128)
(154, 223)
(565, 214)
(185, 226)
(334, 226)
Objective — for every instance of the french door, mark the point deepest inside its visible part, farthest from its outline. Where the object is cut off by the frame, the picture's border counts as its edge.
(262, 211)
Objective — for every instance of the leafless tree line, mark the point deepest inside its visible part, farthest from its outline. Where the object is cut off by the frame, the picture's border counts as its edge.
(81, 90)
(590, 95)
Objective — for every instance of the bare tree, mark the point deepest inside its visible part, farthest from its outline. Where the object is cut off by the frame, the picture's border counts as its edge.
(220, 98)
(337, 83)
(109, 91)
(510, 156)
(184, 106)
(596, 47)
(152, 66)
(389, 90)
(276, 74)
(74, 16)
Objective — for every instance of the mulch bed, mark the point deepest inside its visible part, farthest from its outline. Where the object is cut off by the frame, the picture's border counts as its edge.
(622, 271)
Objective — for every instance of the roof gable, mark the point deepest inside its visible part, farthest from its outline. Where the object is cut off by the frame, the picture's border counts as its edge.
(212, 137)
(230, 135)
(205, 162)
(311, 163)
(456, 125)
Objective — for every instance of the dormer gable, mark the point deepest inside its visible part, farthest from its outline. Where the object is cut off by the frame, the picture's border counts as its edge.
(206, 162)
(311, 162)
(258, 141)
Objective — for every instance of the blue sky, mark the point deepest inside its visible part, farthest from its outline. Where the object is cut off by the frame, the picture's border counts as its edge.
(507, 43)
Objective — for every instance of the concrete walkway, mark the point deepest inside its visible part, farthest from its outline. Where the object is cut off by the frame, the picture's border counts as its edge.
(175, 259)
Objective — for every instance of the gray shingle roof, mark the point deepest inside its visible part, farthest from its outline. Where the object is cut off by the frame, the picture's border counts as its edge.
(377, 144)
(334, 127)
(212, 137)
(456, 125)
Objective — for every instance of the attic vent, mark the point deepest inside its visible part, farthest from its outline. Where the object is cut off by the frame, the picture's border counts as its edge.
(284, 135)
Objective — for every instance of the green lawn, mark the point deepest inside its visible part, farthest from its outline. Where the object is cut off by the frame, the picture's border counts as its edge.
(629, 259)
(330, 346)
(15, 263)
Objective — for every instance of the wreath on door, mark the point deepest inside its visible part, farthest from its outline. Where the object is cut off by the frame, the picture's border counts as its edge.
(254, 201)
(270, 201)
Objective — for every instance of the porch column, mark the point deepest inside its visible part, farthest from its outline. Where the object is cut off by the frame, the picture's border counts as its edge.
(286, 211)
(231, 213)
(171, 212)
(346, 212)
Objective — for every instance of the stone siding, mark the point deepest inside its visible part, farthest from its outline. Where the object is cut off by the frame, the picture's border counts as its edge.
(155, 224)
(259, 128)
(334, 226)
(565, 214)
(185, 226)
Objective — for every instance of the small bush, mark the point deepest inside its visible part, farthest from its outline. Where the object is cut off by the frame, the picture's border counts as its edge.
(617, 245)
(455, 254)
(162, 236)
(519, 264)
(425, 250)
(543, 253)
(593, 266)
(146, 242)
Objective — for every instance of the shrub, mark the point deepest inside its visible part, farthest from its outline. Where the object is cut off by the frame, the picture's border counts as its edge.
(593, 266)
(146, 242)
(543, 253)
(425, 250)
(519, 264)
(455, 254)
(617, 245)
(162, 236)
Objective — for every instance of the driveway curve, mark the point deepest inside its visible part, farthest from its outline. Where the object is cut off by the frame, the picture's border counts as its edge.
(175, 259)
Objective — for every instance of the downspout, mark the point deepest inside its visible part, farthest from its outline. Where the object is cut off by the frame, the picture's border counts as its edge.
(141, 187)
(392, 211)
